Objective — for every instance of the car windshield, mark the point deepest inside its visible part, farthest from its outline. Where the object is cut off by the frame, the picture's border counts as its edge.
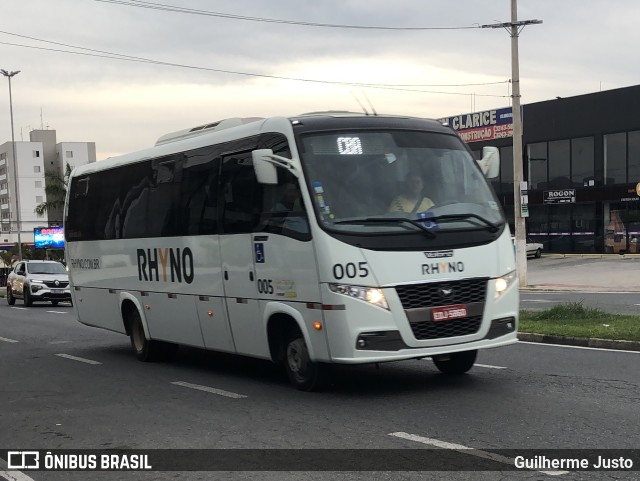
(397, 181)
(46, 268)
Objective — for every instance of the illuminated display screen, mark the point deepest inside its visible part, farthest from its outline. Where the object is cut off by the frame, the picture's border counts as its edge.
(349, 146)
(48, 237)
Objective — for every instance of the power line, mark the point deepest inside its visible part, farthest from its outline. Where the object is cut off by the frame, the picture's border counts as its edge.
(208, 13)
(88, 52)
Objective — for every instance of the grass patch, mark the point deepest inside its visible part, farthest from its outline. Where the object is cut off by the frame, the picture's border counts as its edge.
(576, 320)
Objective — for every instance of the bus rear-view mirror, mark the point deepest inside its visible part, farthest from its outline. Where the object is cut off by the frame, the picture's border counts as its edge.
(265, 170)
(490, 162)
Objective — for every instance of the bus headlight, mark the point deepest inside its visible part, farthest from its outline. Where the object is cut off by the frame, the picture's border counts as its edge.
(503, 283)
(368, 294)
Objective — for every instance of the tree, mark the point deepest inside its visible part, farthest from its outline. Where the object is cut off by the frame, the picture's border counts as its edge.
(28, 252)
(55, 190)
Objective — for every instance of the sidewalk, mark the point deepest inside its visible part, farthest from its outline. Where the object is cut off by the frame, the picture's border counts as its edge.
(584, 272)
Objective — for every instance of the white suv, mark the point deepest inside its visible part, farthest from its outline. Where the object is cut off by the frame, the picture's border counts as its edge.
(34, 281)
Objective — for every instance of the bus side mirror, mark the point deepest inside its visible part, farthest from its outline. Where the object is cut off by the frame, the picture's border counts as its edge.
(490, 162)
(262, 165)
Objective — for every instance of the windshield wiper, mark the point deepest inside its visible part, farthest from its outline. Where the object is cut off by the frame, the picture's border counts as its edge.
(392, 220)
(490, 226)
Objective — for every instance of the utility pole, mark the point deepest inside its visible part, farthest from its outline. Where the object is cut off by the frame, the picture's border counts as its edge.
(15, 165)
(514, 27)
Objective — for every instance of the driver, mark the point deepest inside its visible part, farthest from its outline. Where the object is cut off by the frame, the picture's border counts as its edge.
(412, 200)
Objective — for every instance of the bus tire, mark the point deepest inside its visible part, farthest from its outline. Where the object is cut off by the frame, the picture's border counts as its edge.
(304, 374)
(456, 363)
(10, 299)
(145, 349)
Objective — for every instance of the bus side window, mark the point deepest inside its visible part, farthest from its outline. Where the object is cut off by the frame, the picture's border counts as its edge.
(284, 212)
(241, 195)
(198, 199)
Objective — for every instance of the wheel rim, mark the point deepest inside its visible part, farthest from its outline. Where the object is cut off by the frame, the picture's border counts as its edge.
(297, 358)
(138, 337)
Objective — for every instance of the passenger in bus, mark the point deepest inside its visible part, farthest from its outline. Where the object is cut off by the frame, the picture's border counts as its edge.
(413, 199)
(289, 213)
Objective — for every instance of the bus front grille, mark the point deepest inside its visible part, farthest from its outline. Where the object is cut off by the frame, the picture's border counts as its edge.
(419, 299)
(432, 294)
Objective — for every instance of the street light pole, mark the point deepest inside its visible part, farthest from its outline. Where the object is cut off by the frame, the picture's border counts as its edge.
(514, 28)
(15, 165)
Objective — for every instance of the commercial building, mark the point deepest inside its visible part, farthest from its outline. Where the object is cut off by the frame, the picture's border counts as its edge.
(40, 156)
(581, 166)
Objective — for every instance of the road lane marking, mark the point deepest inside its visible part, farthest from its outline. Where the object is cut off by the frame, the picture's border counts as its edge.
(7, 339)
(208, 389)
(489, 366)
(20, 308)
(536, 300)
(12, 475)
(57, 312)
(81, 359)
(578, 347)
(467, 450)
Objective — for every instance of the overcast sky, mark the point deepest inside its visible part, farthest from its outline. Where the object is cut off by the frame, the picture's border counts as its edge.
(582, 46)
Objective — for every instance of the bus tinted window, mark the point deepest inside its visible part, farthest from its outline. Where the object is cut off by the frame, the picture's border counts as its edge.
(174, 195)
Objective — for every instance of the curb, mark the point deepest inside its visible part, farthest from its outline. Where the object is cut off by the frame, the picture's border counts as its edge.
(592, 256)
(580, 341)
(579, 288)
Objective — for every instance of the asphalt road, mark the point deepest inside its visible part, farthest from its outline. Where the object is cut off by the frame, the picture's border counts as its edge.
(69, 386)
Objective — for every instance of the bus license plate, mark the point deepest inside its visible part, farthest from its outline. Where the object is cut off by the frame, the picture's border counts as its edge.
(456, 311)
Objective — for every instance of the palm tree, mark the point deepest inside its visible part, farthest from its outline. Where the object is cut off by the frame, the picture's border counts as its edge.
(56, 191)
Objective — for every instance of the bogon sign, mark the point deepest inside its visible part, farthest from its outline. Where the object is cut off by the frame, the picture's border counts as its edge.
(561, 196)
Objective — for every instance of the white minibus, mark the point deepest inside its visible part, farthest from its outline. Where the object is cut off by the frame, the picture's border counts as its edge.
(312, 240)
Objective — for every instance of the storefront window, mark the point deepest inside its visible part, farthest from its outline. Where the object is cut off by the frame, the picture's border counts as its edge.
(615, 159)
(559, 165)
(560, 228)
(538, 226)
(506, 169)
(582, 162)
(583, 227)
(634, 156)
(537, 165)
(622, 228)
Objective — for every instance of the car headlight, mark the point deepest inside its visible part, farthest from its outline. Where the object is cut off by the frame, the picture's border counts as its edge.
(503, 283)
(368, 294)
(36, 281)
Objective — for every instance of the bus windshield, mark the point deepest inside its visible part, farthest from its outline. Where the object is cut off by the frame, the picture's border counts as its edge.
(397, 181)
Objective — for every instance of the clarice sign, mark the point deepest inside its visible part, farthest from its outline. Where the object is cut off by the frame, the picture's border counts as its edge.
(487, 125)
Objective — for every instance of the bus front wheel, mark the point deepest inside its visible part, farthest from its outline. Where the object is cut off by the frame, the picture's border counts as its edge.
(303, 373)
(455, 363)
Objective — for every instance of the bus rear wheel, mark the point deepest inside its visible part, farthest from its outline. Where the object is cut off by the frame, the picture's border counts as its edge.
(303, 373)
(455, 363)
(147, 350)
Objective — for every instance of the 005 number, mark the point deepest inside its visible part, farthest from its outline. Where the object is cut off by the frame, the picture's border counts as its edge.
(265, 286)
(350, 270)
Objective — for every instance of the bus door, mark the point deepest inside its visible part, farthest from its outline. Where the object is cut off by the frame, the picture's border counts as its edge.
(240, 215)
(285, 265)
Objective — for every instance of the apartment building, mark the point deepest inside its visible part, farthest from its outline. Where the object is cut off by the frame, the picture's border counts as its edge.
(34, 159)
